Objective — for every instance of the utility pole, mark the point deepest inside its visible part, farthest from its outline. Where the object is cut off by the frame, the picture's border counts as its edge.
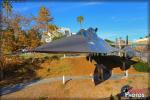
(126, 71)
(127, 40)
(148, 48)
(116, 44)
(120, 46)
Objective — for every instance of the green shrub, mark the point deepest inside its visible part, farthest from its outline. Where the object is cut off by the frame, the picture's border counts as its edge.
(43, 98)
(55, 57)
(142, 67)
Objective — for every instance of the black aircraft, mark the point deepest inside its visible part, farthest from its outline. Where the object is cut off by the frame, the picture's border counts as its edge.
(87, 41)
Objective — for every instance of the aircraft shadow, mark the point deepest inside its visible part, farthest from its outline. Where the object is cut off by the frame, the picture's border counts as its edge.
(105, 64)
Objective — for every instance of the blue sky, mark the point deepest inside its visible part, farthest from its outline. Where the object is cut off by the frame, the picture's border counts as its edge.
(113, 19)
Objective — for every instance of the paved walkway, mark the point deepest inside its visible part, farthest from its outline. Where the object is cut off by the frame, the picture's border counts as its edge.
(17, 87)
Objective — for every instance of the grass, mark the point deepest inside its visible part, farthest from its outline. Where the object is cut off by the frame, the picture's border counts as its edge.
(142, 67)
(55, 68)
(130, 81)
(38, 55)
(43, 98)
(136, 59)
(62, 86)
(108, 88)
(59, 69)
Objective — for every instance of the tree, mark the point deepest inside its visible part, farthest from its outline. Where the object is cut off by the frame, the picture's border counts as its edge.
(140, 38)
(52, 29)
(109, 41)
(80, 19)
(44, 17)
(7, 6)
(5, 48)
(22, 40)
(33, 39)
(60, 35)
(147, 36)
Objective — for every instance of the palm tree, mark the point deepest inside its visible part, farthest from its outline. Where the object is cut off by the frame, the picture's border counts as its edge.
(80, 19)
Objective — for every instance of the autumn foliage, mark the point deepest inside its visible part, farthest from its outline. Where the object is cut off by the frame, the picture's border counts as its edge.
(18, 32)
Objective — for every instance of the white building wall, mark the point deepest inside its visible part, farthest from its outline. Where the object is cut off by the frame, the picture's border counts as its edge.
(65, 31)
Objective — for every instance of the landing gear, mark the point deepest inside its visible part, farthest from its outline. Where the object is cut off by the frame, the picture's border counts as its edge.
(101, 73)
(125, 72)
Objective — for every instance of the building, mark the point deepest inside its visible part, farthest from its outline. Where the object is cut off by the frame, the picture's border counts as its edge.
(142, 41)
(141, 44)
(119, 43)
(48, 36)
(65, 31)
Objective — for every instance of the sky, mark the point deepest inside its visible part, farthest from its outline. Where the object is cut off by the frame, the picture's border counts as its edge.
(113, 19)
